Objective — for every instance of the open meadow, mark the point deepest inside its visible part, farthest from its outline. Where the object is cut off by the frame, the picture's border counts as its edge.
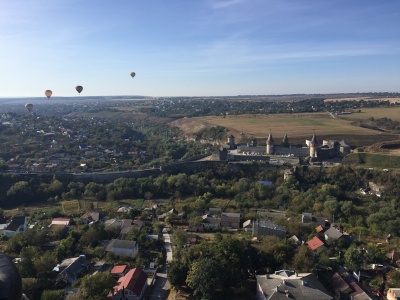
(299, 127)
(376, 113)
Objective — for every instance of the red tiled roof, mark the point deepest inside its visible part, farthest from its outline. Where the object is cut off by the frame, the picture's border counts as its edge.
(315, 243)
(134, 280)
(118, 269)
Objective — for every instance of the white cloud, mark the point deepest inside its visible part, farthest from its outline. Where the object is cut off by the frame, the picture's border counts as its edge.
(225, 3)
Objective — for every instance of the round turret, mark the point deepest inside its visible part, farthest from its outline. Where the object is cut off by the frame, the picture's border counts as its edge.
(231, 142)
(313, 146)
(270, 145)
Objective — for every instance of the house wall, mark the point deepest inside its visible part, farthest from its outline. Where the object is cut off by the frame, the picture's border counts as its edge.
(249, 228)
(9, 233)
(129, 295)
(235, 225)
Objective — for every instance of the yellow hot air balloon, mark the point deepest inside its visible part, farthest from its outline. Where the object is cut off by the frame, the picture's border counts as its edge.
(29, 106)
(133, 74)
(48, 93)
(79, 88)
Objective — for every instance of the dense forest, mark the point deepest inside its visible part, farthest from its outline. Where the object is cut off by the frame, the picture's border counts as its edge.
(332, 193)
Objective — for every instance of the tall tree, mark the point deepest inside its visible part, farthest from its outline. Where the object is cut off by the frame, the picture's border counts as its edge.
(177, 273)
(303, 260)
(205, 277)
(97, 286)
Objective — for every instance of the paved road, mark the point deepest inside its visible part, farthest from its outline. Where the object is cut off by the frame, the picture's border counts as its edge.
(161, 286)
(167, 245)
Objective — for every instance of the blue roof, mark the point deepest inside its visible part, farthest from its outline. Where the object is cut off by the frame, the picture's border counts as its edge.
(265, 182)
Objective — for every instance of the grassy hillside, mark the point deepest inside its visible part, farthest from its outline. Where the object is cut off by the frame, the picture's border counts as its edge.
(298, 127)
(373, 160)
(376, 113)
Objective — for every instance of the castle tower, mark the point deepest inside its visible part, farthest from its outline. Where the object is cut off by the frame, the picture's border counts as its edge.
(270, 144)
(285, 141)
(254, 142)
(313, 146)
(231, 142)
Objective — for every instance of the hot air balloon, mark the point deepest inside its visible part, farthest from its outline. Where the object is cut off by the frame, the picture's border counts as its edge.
(48, 93)
(79, 88)
(133, 74)
(29, 106)
(10, 279)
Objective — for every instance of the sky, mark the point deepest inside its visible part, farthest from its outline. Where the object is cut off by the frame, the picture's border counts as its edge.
(198, 47)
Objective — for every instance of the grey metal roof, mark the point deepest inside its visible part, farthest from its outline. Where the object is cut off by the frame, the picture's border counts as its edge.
(333, 233)
(122, 244)
(210, 220)
(230, 215)
(295, 286)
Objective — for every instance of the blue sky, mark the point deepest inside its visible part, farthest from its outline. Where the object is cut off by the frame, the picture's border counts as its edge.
(198, 47)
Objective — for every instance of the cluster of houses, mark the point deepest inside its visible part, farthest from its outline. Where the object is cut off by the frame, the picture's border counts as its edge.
(288, 283)
(345, 284)
(55, 133)
(325, 231)
(134, 283)
(216, 218)
(130, 283)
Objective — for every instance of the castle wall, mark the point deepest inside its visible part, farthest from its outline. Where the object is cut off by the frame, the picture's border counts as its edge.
(280, 150)
(232, 157)
(260, 150)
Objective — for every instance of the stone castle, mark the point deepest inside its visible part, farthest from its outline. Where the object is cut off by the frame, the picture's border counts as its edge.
(329, 149)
